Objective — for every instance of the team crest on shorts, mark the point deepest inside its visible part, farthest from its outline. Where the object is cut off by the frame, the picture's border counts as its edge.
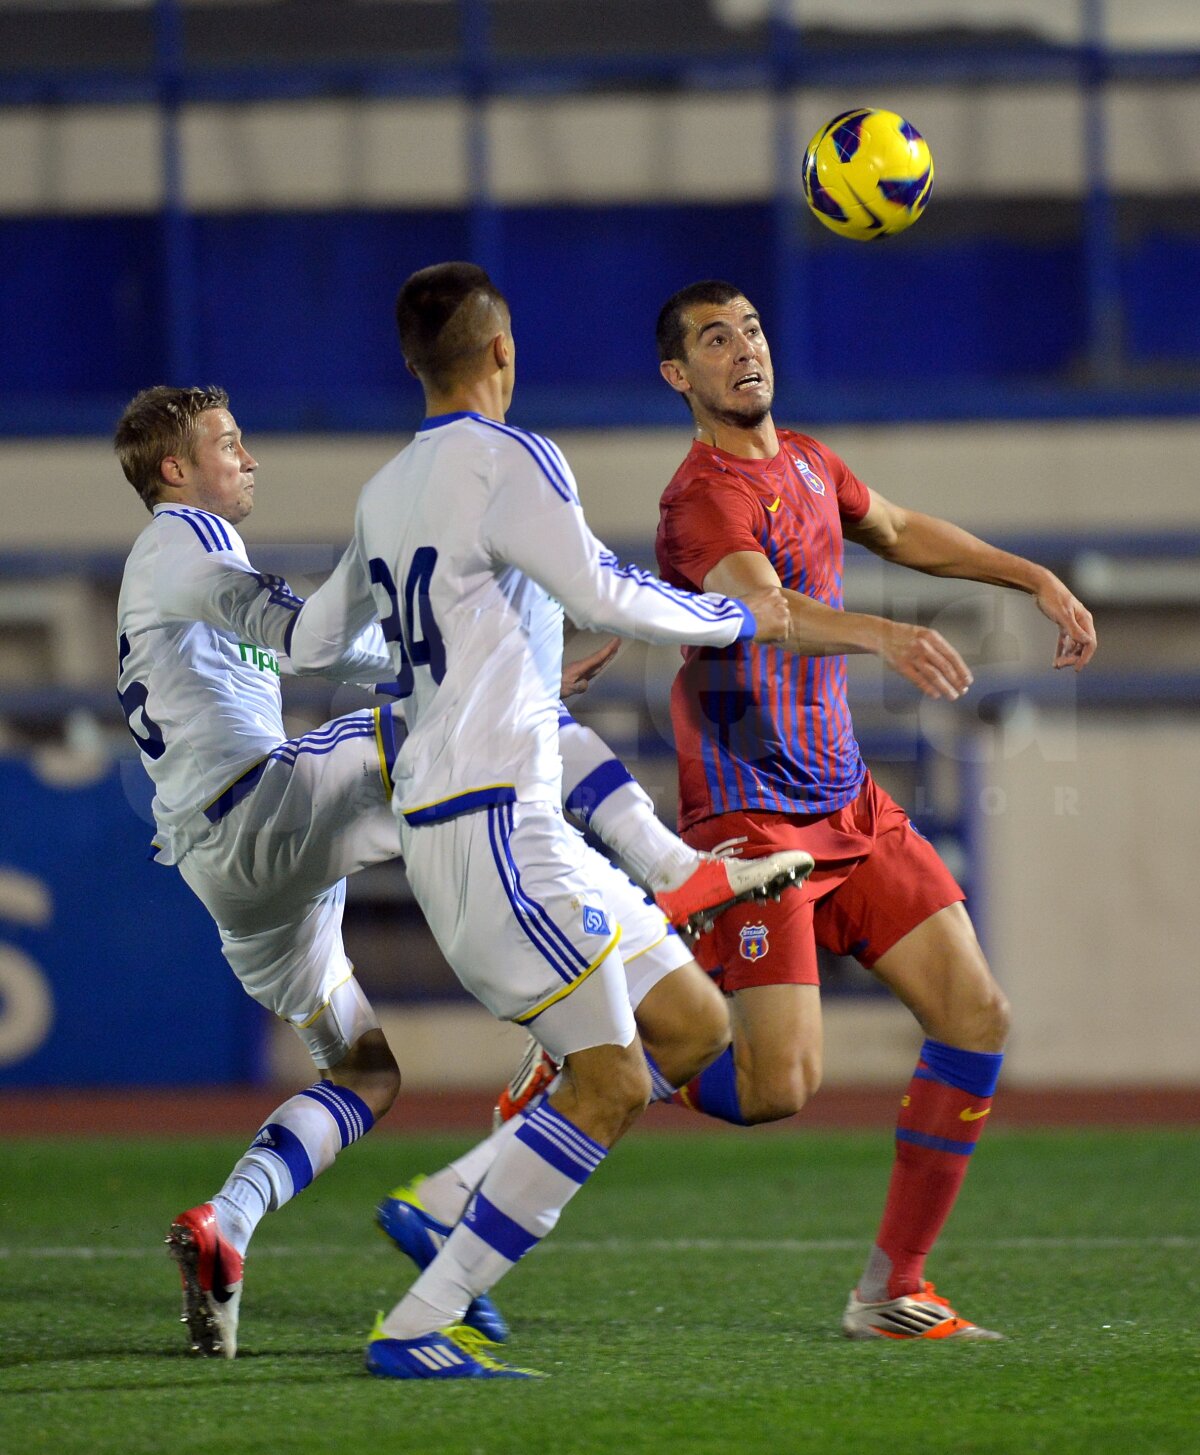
(753, 942)
(595, 921)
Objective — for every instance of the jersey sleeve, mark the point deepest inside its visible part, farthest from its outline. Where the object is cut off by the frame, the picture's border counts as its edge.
(854, 499)
(336, 633)
(199, 581)
(534, 521)
(709, 521)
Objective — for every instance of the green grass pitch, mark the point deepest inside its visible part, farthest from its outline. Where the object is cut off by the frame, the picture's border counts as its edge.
(688, 1303)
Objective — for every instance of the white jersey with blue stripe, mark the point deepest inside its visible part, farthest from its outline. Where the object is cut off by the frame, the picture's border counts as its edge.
(472, 542)
(202, 641)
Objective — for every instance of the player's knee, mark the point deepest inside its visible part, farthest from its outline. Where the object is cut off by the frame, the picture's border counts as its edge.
(384, 1089)
(628, 1093)
(780, 1092)
(983, 1023)
(610, 1094)
(996, 1016)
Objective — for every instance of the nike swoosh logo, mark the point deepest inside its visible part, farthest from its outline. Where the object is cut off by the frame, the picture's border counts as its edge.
(969, 1114)
(775, 505)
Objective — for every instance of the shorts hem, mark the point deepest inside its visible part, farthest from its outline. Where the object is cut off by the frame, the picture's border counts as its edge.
(525, 1017)
(869, 961)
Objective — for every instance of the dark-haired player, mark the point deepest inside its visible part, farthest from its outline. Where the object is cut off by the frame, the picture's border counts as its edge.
(469, 547)
(768, 760)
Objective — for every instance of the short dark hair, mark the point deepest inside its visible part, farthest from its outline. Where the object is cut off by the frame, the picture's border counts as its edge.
(156, 423)
(670, 331)
(446, 314)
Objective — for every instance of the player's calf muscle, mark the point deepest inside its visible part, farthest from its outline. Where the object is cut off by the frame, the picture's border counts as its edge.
(369, 1070)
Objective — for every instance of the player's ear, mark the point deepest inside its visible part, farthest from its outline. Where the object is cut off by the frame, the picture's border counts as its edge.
(675, 377)
(408, 365)
(170, 470)
(503, 350)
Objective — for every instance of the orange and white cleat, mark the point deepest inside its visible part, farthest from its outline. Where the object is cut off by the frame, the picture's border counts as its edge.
(922, 1315)
(535, 1074)
(211, 1272)
(719, 882)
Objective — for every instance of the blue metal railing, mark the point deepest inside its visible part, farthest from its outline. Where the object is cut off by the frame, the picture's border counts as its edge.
(479, 72)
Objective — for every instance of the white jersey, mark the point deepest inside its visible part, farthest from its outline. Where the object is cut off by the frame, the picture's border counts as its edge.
(471, 542)
(202, 641)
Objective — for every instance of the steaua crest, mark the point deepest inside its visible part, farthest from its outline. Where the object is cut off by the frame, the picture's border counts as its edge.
(753, 942)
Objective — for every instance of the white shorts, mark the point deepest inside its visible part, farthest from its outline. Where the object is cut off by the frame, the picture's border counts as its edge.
(529, 917)
(271, 872)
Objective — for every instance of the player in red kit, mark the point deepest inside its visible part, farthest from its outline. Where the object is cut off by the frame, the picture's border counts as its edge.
(768, 760)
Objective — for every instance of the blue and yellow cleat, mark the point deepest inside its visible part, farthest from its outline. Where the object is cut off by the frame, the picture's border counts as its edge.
(454, 1353)
(401, 1217)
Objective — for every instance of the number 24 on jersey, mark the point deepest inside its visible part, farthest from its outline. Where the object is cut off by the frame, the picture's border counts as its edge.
(413, 634)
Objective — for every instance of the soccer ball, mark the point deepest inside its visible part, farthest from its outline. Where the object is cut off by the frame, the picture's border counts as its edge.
(867, 173)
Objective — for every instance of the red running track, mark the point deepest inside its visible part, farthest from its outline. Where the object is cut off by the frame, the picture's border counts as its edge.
(224, 1111)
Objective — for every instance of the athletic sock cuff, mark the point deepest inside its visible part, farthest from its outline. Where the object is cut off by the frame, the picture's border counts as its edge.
(715, 1090)
(560, 1143)
(590, 792)
(661, 1088)
(975, 1072)
(349, 1111)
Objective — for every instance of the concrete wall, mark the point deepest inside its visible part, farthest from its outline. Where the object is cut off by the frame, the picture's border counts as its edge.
(1093, 856)
(1010, 477)
(988, 140)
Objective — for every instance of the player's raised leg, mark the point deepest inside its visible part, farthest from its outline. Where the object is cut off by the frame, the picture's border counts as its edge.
(774, 1063)
(298, 1141)
(691, 887)
(940, 973)
(766, 961)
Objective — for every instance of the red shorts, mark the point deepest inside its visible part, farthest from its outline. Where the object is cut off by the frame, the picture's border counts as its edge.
(876, 879)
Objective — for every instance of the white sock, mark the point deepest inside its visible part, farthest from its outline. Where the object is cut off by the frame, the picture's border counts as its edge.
(534, 1176)
(602, 793)
(298, 1141)
(445, 1194)
(627, 823)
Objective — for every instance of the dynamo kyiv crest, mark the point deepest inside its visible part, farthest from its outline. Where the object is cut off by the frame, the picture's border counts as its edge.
(595, 921)
(753, 944)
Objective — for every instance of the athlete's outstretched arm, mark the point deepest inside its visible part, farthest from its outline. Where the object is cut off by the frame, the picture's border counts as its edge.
(939, 548)
(336, 632)
(222, 589)
(545, 535)
(917, 653)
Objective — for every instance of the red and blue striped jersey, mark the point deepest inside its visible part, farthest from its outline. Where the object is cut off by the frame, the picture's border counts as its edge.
(757, 727)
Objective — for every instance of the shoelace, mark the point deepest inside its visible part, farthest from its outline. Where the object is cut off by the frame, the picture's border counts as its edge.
(472, 1342)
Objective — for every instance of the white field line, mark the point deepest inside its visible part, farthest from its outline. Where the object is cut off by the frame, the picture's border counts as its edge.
(643, 1245)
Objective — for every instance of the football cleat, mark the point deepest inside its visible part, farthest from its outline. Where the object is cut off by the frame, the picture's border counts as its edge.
(921, 1315)
(211, 1272)
(533, 1076)
(719, 882)
(457, 1352)
(402, 1218)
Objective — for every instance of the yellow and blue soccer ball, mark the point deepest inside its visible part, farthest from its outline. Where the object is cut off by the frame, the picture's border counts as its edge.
(867, 174)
